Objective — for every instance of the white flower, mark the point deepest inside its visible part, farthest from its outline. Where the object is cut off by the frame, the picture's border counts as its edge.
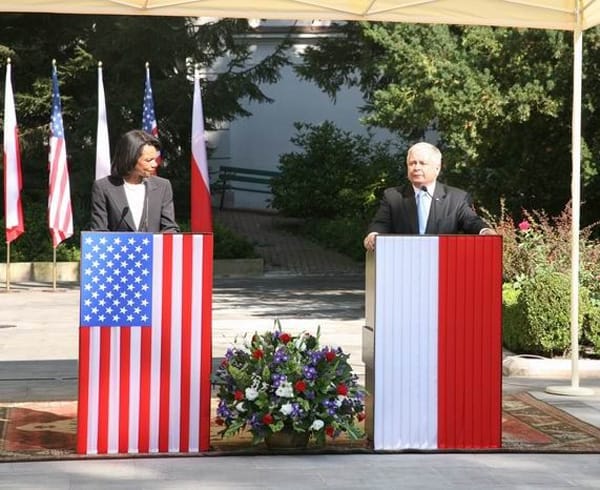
(240, 407)
(300, 344)
(251, 393)
(286, 409)
(339, 400)
(285, 390)
(317, 425)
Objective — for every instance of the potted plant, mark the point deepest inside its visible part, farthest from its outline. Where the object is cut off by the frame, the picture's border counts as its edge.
(279, 385)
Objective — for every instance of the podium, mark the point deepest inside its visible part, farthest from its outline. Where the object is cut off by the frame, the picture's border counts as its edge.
(145, 343)
(432, 343)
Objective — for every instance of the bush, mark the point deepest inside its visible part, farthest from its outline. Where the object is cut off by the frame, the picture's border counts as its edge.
(35, 245)
(537, 270)
(337, 174)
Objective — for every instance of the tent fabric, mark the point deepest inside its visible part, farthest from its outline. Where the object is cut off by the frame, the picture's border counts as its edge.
(544, 14)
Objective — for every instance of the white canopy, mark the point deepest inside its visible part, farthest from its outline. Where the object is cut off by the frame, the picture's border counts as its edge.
(545, 14)
(569, 15)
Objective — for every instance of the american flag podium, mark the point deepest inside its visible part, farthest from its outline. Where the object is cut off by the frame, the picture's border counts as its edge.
(145, 343)
(432, 343)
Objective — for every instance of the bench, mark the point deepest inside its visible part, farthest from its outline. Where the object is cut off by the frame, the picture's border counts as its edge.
(234, 178)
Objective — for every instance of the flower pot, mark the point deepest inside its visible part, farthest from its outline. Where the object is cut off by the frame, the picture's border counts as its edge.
(287, 439)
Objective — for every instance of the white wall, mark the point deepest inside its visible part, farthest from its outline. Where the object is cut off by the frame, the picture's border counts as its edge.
(259, 140)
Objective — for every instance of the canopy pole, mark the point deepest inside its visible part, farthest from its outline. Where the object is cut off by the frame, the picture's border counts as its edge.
(575, 389)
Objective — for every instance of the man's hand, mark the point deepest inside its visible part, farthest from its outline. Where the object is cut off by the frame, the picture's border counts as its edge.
(369, 241)
(488, 231)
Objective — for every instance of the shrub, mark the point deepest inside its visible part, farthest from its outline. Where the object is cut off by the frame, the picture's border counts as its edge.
(35, 245)
(335, 174)
(537, 270)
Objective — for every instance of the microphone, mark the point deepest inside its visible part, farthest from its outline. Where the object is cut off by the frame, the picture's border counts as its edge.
(124, 213)
(145, 181)
(423, 188)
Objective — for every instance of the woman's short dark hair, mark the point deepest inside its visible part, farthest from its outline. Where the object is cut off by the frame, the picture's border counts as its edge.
(129, 149)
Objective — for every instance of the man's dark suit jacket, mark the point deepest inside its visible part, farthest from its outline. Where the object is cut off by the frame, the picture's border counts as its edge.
(451, 212)
(110, 210)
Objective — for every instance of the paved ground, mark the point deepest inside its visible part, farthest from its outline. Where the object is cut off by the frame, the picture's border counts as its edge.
(38, 361)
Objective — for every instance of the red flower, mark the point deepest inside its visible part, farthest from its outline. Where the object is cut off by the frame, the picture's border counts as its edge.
(285, 337)
(219, 421)
(267, 419)
(524, 225)
(329, 355)
(329, 431)
(300, 386)
(238, 395)
(342, 390)
(361, 416)
(224, 363)
(258, 354)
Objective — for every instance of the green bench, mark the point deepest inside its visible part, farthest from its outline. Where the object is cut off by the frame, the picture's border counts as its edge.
(234, 178)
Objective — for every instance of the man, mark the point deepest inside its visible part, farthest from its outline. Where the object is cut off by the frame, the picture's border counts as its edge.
(426, 206)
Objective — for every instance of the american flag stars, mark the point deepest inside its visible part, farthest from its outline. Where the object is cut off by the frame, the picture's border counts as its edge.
(117, 280)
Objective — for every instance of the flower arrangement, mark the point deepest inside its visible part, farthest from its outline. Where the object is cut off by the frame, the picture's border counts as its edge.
(276, 381)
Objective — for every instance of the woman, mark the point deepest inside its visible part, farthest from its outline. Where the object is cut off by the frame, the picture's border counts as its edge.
(132, 198)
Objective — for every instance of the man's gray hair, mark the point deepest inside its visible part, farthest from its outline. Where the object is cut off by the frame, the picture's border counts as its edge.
(433, 151)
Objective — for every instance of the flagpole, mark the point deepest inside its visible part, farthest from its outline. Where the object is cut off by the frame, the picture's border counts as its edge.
(54, 268)
(7, 266)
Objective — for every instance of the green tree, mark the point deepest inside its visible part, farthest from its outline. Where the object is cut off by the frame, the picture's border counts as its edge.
(172, 46)
(499, 99)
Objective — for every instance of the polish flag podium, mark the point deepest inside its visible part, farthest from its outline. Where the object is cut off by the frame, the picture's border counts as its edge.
(145, 343)
(432, 343)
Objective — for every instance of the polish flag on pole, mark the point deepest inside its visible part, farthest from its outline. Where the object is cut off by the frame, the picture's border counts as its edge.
(102, 140)
(60, 215)
(201, 211)
(12, 165)
(438, 342)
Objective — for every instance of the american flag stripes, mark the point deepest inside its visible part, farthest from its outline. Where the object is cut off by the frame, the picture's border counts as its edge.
(60, 215)
(145, 343)
(13, 209)
(201, 211)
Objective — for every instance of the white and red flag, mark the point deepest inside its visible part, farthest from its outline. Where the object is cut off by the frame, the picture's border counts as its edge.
(200, 202)
(60, 215)
(145, 343)
(438, 342)
(102, 140)
(13, 208)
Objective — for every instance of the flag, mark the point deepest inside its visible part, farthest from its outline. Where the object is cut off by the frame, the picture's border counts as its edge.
(148, 116)
(438, 342)
(201, 211)
(102, 140)
(13, 209)
(60, 216)
(145, 343)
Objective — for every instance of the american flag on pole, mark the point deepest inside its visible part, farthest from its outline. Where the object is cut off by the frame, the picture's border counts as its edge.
(201, 211)
(149, 123)
(145, 343)
(102, 140)
(13, 209)
(60, 216)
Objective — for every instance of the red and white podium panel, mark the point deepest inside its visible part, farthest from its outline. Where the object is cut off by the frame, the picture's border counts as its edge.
(145, 343)
(432, 343)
